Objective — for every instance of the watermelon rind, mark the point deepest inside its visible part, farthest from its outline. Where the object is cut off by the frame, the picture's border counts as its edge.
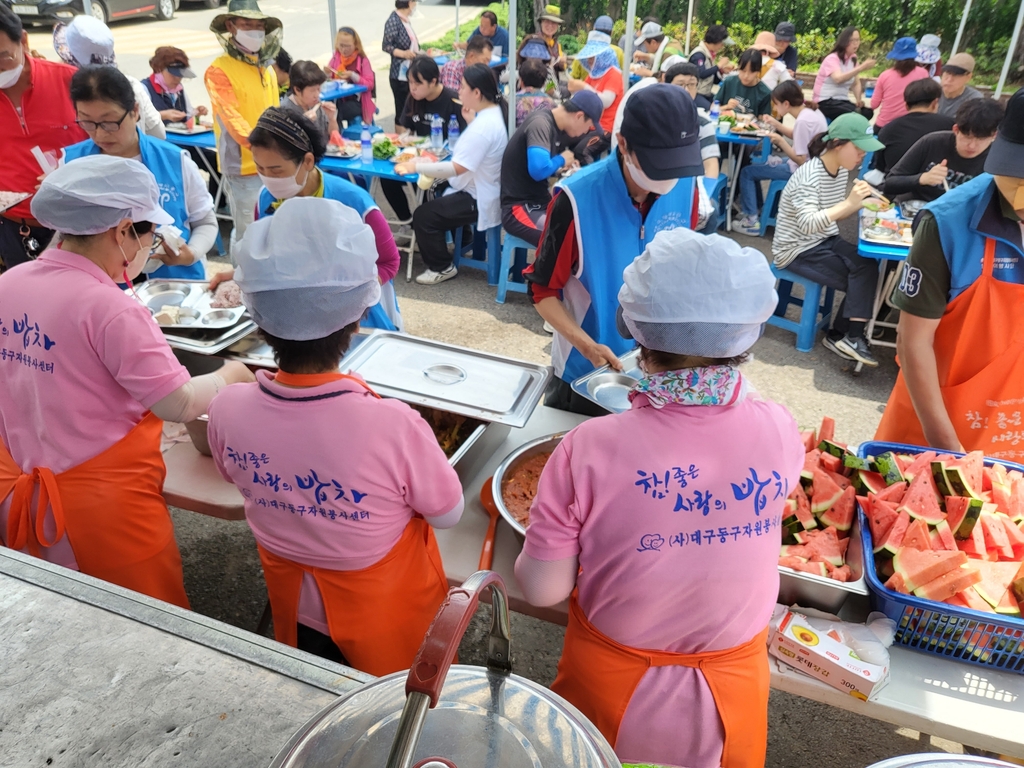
(869, 482)
(918, 568)
(920, 501)
(856, 463)
(949, 584)
(941, 481)
(958, 483)
(827, 446)
(888, 467)
(894, 537)
(826, 492)
(840, 514)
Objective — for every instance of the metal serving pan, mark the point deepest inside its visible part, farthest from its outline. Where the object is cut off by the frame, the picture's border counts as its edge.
(510, 464)
(254, 351)
(819, 592)
(208, 341)
(610, 388)
(192, 298)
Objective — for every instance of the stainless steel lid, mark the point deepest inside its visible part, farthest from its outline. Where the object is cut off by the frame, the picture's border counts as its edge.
(454, 379)
(938, 760)
(446, 716)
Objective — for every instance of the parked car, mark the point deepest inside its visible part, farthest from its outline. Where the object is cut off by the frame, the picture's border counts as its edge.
(205, 3)
(50, 11)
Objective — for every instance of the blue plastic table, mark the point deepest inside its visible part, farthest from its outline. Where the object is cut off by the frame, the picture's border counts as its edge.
(884, 254)
(340, 90)
(734, 140)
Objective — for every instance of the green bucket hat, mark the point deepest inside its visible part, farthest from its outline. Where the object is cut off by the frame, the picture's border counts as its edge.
(551, 13)
(245, 9)
(854, 127)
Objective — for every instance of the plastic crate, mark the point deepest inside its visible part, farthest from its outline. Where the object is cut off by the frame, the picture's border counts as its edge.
(986, 639)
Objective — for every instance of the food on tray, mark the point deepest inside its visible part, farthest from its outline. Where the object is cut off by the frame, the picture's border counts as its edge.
(384, 149)
(227, 296)
(747, 128)
(520, 488)
(169, 314)
(727, 119)
(879, 232)
(450, 429)
(11, 199)
(405, 157)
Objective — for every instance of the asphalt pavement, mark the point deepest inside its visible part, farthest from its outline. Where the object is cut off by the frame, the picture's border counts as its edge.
(222, 570)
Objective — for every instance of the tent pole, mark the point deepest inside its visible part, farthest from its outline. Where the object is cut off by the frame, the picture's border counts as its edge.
(332, 15)
(960, 31)
(458, 4)
(627, 57)
(513, 37)
(1013, 49)
(689, 24)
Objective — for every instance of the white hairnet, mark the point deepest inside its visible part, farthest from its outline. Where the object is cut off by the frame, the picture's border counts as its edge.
(309, 270)
(93, 194)
(85, 41)
(694, 294)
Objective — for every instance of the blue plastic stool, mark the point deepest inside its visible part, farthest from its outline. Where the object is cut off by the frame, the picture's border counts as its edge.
(865, 165)
(510, 254)
(770, 209)
(355, 130)
(486, 244)
(811, 305)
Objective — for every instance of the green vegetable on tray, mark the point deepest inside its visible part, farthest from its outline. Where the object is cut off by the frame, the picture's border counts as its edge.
(727, 119)
(384, 150)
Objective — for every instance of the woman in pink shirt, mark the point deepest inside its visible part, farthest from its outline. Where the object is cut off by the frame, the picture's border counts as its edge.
(887, 99)
(341, 488)
(839, 75)
(351, 64)
(663, 522)
(86, 377)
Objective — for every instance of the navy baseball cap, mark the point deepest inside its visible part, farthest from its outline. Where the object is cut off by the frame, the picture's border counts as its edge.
(1006, 155)
(603, 24)
(589, 103)
(661, 126)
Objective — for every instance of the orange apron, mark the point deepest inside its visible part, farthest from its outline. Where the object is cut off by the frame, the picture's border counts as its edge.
(112, 510)
(598, 676)
(979, 350)
(377, 616)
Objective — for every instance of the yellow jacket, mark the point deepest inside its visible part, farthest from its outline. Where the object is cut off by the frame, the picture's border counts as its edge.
(239, 93)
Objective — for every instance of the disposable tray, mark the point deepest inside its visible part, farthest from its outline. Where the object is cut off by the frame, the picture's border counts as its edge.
(986, 639)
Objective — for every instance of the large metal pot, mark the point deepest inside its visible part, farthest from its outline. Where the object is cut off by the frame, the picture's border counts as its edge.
(938, 760)
(511, 464)
(443, 716)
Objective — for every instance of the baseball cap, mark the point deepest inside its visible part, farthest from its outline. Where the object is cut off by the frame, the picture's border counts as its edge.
(959, 64)
(589, 103)
(671, 61)
(786, 32)
(604, 24)
(903, 49)
(854, 127)
(95, 193)
(179, 69)
(1006, 155)
(330, 286)
(647, 31)
(660, 124)
(694, 294)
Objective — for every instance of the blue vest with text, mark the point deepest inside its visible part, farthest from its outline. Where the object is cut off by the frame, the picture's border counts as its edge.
(358, 199)
(163, 160)
(610, 235)
(966, 216)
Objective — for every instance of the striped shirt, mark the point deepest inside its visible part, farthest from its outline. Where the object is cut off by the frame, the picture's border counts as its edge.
(802, 222)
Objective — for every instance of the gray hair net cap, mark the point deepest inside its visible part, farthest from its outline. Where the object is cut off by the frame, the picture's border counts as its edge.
(694, 294)
(95, 193)
(309, 270)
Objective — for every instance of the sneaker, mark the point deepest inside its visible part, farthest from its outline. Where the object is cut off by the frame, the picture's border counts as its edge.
(430, 277)
(747, 225)
(548, 328)
(858, 349)
(829, 343)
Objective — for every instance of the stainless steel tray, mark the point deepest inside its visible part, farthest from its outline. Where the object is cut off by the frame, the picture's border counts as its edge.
(192, 297)
(468, 382)
(819, 592)
(254, 351)
(610, 388)
(208, 341)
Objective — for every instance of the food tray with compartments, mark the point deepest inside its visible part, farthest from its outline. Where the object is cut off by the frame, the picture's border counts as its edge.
(987, 639)
(191, 300)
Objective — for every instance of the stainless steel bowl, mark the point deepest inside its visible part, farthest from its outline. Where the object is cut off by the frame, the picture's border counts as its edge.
(511, 463)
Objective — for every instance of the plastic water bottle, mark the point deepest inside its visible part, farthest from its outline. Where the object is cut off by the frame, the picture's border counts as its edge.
(366, 145)
(453, 132)
(716, 110)
(436, 132)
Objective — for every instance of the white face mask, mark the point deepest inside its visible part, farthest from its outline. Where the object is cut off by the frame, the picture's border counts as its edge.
(250, 40)
(9, 78)
(284, 188)
(133, 267)
(648, 184)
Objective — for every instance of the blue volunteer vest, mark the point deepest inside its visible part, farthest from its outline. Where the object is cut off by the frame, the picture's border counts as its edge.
(163, 159)
(966, 216)
(610, 235)
(358, 199)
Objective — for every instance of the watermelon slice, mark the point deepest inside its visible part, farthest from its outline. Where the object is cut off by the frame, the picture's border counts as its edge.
(825, 545)
(971, 467)
(975, 601)
(946, 538)
(809, 438)
(826, 492)
(828, 429)
(791, 562)
(995, 535)
(918, 568)
(1015, 536)
(958, 484)
(962, 514)
(818, 569)
(1017, 500)
(1008, 606)
(938, 470)
(832, 448)
(958, 601)
(921, 500)
(811, 463)
(995, 580)
(917, 537)
(893, 493)
(949, 584)
(795, 550)
(1001, 494)
(889, 468)
(830, 463)
(896, 584)
(803, 509)
(842, 573)
(975, 545)
(921, 462)
(841, 480)
(894, 538)
(856, 463)
(869, 482)
(840, 514)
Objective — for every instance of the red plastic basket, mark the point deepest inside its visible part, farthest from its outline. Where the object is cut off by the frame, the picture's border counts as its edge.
(979, 638)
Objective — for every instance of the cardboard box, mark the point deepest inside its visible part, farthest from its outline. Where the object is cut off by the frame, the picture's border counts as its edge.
(825, 657)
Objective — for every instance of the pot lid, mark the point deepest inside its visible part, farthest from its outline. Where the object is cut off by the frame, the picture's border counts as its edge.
(937, 760)
(449, 378)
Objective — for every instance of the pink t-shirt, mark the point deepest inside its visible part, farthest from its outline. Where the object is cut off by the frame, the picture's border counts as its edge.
(827, 88)
(809, 123)
(888, 95)
(330, 482)
(80, 365)
(674, 515)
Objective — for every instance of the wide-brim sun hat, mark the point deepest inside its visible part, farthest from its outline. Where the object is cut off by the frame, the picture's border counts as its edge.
(903, 49)
(244, 9)
(1006, 154)
(309, 270)
(694, 294)
(535, 49)
(551, 13)
(597, 42)
(928, 49)
(765, 42)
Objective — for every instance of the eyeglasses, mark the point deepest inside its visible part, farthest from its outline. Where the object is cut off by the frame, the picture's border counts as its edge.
(107, 125)
(158, 241)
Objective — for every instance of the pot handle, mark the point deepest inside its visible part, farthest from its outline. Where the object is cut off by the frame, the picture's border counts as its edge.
(430, 667)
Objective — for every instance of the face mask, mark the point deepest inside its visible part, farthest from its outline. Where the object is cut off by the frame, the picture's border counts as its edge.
(648, 184)
(133, 267)
(284, 188)
(1018, 199)
(11, 76)
(250, 40)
